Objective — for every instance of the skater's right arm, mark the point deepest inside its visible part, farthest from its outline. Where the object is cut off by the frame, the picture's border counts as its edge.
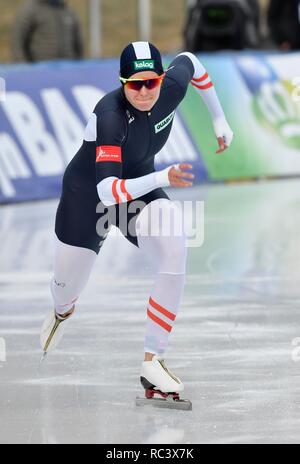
(112, 188)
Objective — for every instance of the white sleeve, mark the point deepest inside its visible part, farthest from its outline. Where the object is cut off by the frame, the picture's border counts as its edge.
(205, 87)
(113, 190)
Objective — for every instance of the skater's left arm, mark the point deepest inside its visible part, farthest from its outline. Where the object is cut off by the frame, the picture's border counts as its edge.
(199, 78)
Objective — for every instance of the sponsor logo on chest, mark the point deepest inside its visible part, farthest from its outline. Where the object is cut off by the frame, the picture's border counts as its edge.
(164, 123)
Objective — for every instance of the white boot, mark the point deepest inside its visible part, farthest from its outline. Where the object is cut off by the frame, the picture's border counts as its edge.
(156, 376)
(53, 329)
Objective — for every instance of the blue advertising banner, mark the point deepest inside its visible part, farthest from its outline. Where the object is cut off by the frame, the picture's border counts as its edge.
(44, 109)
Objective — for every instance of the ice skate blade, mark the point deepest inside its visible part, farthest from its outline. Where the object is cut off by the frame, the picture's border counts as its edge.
(43, 358)
(183, 405)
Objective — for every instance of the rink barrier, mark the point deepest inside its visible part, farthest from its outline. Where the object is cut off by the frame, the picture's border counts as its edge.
(44, 109)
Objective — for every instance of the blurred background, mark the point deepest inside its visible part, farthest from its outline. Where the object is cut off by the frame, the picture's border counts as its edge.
(120, 23)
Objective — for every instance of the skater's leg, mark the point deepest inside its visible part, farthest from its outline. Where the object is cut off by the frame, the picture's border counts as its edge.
(160, 235)
(72, 269)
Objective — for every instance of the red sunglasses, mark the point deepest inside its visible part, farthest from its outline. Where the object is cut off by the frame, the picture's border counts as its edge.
(137, 84)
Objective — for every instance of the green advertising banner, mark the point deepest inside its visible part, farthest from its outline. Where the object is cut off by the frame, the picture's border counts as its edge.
(260, 94)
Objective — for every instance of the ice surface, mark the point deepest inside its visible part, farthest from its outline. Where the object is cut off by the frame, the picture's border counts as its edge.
(235, 343)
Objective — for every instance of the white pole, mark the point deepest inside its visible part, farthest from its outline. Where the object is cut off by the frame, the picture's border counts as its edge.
(144, 20)
(95, 29)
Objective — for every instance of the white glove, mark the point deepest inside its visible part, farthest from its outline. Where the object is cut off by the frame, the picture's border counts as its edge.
(223, 130)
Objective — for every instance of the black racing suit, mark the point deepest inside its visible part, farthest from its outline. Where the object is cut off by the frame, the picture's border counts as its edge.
(140, 136)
